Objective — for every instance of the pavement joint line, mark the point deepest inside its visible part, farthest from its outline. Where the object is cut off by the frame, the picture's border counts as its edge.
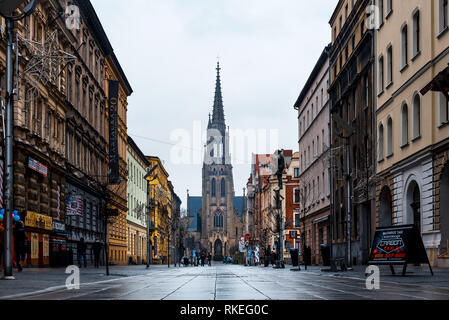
(88, 293)
(252, 286)
(360, 279)
(180, 287)
(63, 287)
(334, 289)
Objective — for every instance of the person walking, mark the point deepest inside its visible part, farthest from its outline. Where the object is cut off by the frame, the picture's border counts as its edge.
(96, 247)
(20, 239)
(82, 248)
(209, 259)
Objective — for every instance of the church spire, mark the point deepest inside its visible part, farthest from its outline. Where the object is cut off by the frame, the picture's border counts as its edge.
(218, 113)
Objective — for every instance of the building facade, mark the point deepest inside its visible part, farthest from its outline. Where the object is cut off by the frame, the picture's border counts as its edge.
(137, 203)
(312, 190)
(160, 211)
(117, 195)
(412, 48)
(352, 154)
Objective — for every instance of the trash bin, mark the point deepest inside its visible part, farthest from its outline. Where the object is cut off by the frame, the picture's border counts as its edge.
(294, 253)
(326, 255)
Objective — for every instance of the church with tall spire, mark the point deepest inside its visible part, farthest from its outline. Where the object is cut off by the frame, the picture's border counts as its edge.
(216, 216)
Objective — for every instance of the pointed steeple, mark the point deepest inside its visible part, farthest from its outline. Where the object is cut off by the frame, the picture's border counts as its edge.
(218, 118)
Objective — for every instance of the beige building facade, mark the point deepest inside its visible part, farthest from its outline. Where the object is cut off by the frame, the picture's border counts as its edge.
(412, 48)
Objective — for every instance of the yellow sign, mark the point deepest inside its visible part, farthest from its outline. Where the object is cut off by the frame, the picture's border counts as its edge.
(45, 245)
(34, 246)
(39, 221)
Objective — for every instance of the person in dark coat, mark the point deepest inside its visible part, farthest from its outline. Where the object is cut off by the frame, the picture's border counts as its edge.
(2, 238)
(20, 239)
(96, 247)
(82, 248)
(209, 259)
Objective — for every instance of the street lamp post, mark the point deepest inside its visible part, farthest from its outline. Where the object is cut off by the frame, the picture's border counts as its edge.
(6, 10)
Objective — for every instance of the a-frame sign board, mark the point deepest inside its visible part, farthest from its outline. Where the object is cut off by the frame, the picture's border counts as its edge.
(399, 245)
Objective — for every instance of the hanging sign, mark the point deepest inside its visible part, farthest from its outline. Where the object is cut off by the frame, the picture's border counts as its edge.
(114, 176)
(74, 206)
(38, 221)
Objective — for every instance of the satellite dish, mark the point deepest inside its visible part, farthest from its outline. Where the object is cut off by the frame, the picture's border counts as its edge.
(7, 7)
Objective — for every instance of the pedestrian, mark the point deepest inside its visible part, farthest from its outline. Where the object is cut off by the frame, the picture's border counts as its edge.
(209, 259)
(203, 257)
(20, 239)
(96, 247)
(82, 248)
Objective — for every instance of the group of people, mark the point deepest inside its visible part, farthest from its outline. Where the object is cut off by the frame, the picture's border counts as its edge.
(82, 249)
(199, 259)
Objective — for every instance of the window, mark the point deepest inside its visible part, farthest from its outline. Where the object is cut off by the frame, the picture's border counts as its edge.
(444, 109)
(416, 116)
(366, 92)
(404, 46)
(322, 98)
(381, 74)
(214, 190)
(318, 186)
(318, 145)
(381, 12)
(324, 185)
(443, 15)
(218, 220)
(404, 115)
(381, 142)
(389, 7)
(296, 172)
(416, 33)
(223, 188)
(389, 137)
(389, 65)
(297, 222)
(297, 196)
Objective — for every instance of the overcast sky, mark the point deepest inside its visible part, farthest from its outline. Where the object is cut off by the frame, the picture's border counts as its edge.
(168, 50)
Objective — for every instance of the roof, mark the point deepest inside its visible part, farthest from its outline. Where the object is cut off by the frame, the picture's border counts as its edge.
(97, 29)
(132, 144)
(319, 65)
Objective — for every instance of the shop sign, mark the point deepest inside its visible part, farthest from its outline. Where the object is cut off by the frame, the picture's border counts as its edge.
(38, 221)
(293, 234)
(58, 226)
(37, 166)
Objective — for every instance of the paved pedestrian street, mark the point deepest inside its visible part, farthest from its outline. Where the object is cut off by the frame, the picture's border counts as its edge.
(224, 282)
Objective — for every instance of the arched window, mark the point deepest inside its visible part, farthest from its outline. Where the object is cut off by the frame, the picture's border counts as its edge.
(404, 115)
(444, 109)
(416, 32)
(381, 142)
(404, 45)
(389, 137)
(416, 116)
(214, 188)
(223, 188)
(218, 219)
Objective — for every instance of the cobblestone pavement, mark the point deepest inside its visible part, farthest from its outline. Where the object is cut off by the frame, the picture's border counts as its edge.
(224, 282)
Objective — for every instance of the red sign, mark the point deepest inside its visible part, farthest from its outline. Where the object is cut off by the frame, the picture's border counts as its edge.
(247, 237)
(37, 166)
